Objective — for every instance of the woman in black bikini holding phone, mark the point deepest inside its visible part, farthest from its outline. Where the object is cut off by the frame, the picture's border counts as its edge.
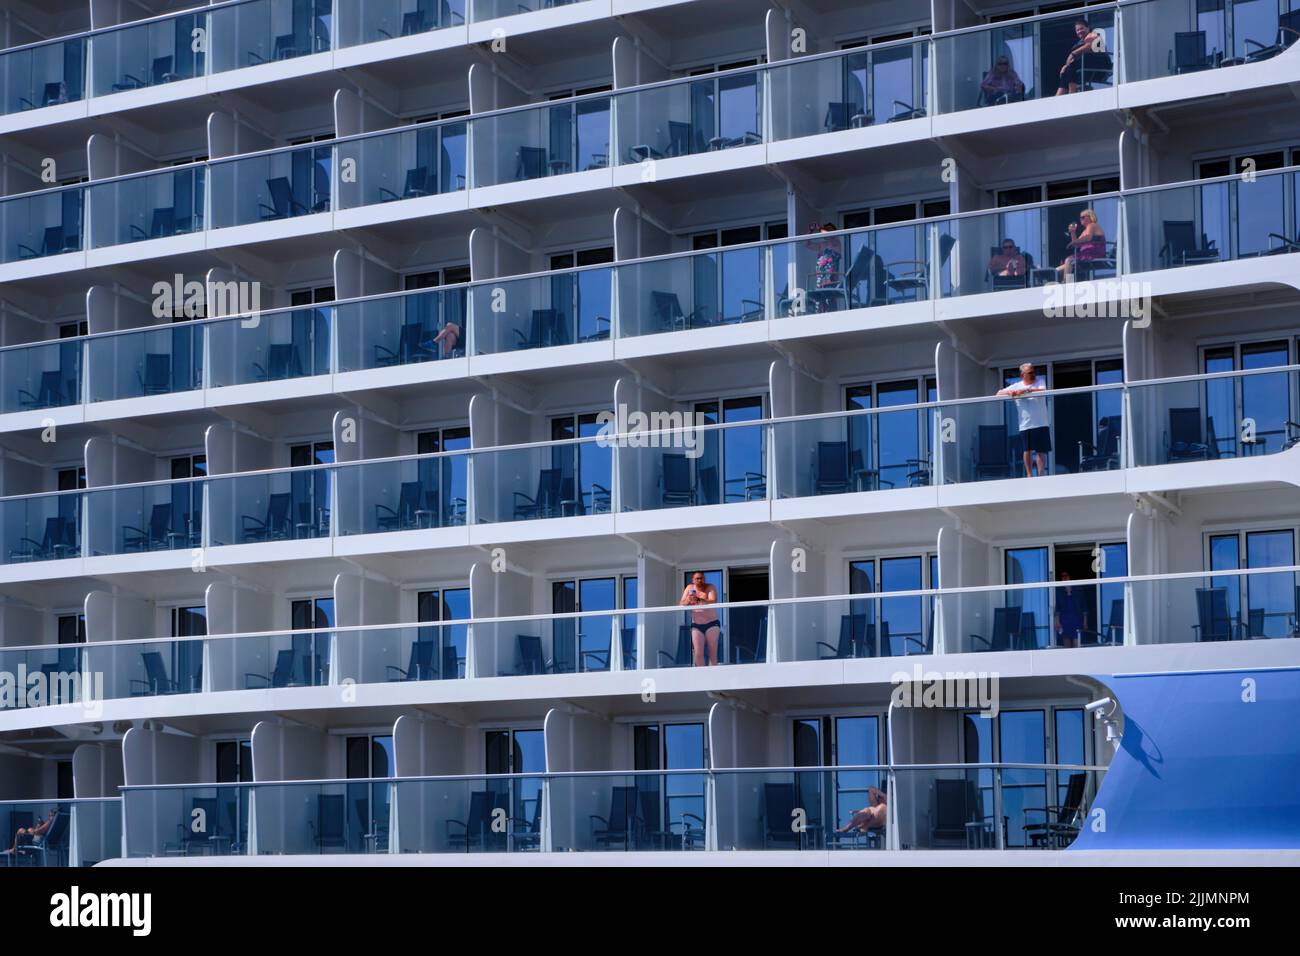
(705, 629)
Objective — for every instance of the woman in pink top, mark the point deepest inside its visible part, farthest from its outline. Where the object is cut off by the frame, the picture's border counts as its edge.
(1086, 243)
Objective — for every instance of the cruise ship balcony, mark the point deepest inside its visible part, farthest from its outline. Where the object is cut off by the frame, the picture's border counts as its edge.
(80, 832)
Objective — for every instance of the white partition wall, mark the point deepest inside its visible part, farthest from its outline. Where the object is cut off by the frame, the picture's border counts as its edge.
(362, 598)
(964, 561)
(279, 816)
(231, 448)
(658, 588)
(738, 737)
(637, 236)
(151, 756)
(235, 608)
(424, 746)
(97, 772)
(493, 648)
(577, 742)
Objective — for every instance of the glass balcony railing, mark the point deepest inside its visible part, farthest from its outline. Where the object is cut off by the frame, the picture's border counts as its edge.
(288, 505)
(40, 375)
(1023, 247)
(799, 809)
(281, 184)
(268, 31)
(406, 329)
(991, 806)
(1219, 220)
(1064, 431)
(635, 811)
(1112, 609)
(695, 291)
(560, 308)
(1028, 59)
(151, 668)
(1174, 38)
(46, 223)
(151, 206)
(856, 451)
(41, 527)
(831, 272)
(967, 806)
(157, 360)
(853, 89)
(427, 160)
(59, 667)
(369, 21)
(481, 10)
(1213, 417)
(149, 53)
(187, 820)
(269, 346)
(403, 494)
(430, 651)
(704, 464)
(548, 480)
(132, 519)
(79, 832)
(686, 117)
(486, 814)
(534, 142)
(42, 74)
(316, 817)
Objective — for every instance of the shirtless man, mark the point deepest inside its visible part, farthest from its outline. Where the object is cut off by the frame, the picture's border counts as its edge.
(870, 817)
(705, 628)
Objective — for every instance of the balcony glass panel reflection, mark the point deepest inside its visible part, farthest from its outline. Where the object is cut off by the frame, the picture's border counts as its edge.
(162, 516)
(1174, 37)
(193, 820)
(269, 506)
(47, 223)
(831, 272)
(500, 813)
(852, 90)
(1253, 605)
(537, 142)
(58, 665)
(40, 375)
(702, 290)
(868, 626)
(41, 527)
(268, 31)
(838, 454)
(1217, 221)
(1214, 417)
(271, 186)
(146, 207)
(403, 494)
(406, 329)
(559, 479)
(48, 74)
(147, 54)
(159, 360)
(621, 812)
(682, 118)
(369, 21)
(147, 668)
(409, 164)
(541, 311)
(270, 346)
(491, 9)
(706, 464)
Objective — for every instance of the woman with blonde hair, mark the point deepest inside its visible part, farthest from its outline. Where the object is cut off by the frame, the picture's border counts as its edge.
(1086, 243)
